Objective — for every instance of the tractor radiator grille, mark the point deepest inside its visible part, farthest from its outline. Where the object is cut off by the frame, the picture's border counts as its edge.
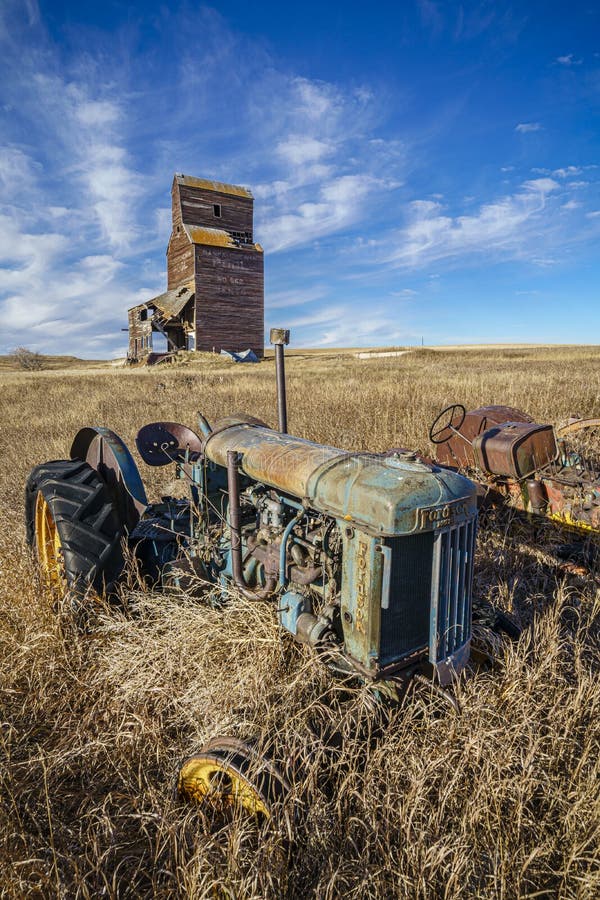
(450, 626)
(429, 596)
(405, 618)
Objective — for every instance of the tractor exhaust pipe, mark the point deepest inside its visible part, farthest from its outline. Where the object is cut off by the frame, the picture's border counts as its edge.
(235, 515)
(235, 529)
(279, 338)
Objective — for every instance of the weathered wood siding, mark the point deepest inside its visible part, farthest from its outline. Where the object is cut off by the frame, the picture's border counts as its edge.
(195, 206)
(180, 258)
(229, 299)
(140, 333)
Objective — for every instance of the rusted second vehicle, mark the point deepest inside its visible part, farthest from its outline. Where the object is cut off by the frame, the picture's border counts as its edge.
(368, 558)
(531, 466)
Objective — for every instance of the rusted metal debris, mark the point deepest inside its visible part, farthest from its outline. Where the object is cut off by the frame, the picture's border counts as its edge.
(530, 465)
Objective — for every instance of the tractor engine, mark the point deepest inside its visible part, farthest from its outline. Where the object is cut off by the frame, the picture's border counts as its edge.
(368, 557)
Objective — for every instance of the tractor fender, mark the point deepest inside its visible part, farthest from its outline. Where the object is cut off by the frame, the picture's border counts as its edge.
(105, 452)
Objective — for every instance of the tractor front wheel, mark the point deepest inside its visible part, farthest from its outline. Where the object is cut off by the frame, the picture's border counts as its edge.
(229, 776)
(73, 527)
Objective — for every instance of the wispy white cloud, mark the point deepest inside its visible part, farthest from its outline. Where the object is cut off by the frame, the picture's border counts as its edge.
(18, 172)
(290, 298)
(327, 164)
(565, 172)
(568, 60)
(431, 235)
(37, 301)
(68, 217)
(527, 127)
(338, 205)
(299, 150)
(88, 135)
(343, 325)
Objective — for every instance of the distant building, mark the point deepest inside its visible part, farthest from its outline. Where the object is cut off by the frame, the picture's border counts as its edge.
(215, 284)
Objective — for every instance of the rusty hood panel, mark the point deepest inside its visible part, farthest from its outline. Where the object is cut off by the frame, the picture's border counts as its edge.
(392, 496)
(385, 495)
(281, 460)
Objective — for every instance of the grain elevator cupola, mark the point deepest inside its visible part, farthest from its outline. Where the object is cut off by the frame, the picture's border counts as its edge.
(215, 283)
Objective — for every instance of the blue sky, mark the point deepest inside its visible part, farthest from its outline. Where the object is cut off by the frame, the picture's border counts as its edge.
(421, 169)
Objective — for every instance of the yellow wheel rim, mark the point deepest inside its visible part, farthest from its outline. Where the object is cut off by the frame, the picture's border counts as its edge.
(205, 778)
(48, 545)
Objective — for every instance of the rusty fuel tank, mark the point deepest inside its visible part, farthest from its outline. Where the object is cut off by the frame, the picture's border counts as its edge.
(515, 449)
(284, 461)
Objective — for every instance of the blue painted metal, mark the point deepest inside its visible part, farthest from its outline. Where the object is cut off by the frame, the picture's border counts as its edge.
(81, 445)
(284, 538)
(291, 606)
(203, 426)
(391, 496)
(362, 581)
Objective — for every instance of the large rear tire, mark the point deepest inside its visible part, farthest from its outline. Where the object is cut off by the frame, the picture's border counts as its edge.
(73, 527)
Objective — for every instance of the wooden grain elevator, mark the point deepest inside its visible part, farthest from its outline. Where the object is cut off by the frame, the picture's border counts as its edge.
(215, 275)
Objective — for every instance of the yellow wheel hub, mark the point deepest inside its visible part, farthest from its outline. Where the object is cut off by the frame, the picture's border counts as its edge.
(48, 545)
(232, 775)
(217, 781)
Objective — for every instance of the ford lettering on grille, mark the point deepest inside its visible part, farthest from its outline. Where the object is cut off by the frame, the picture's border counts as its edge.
(442, 516)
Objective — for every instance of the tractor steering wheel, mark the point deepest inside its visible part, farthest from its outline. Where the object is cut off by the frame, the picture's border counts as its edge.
(449, 425)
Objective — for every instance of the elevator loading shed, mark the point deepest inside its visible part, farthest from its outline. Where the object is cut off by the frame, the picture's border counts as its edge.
(215, 284)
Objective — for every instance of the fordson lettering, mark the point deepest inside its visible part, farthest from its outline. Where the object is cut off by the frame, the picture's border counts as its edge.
(361, 586)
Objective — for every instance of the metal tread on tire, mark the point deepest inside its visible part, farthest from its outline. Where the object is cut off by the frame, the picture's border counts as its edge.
(73, 527)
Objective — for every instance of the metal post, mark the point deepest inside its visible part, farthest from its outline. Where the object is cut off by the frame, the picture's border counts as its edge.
(279, 338)
(281, 398)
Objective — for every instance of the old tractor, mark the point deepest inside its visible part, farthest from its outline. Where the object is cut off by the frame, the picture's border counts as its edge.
(533, 467)
(366, 557)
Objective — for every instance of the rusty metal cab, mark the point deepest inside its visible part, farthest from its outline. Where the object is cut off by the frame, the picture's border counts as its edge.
(515, 449)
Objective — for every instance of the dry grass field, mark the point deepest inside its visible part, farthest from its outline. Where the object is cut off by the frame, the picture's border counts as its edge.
(502, 801)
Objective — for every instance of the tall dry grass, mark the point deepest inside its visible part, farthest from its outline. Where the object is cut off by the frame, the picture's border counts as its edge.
(501, 801)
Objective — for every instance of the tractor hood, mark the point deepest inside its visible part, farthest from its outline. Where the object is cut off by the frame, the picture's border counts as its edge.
(386, 495)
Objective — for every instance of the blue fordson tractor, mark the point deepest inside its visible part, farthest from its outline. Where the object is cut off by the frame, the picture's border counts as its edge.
(367, 557)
